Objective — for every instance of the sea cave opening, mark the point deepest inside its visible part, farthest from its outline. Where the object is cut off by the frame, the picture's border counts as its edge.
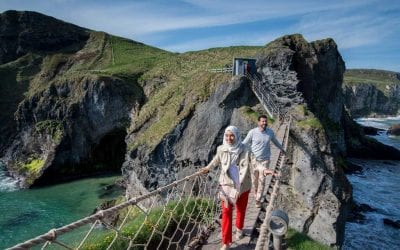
(109, 153)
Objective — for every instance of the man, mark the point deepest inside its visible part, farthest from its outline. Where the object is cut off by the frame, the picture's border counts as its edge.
(259, 141)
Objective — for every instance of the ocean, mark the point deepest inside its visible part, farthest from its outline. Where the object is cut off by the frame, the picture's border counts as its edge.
(30, 212)
(377, 185)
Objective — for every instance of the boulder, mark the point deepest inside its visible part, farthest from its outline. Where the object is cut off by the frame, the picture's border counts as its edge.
(371, 130)
(392, 223)
(394, 130)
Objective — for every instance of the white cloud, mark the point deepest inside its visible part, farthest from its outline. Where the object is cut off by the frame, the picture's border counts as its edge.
(141, 18)
(348, 30)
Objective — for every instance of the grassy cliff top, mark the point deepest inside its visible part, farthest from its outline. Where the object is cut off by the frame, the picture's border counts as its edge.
(186, 77)
(379, 78)
(188, 83)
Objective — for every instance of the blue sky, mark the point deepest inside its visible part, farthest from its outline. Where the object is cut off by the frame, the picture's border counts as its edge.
(367, 32)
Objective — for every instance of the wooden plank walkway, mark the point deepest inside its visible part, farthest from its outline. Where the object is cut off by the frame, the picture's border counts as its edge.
(252, 213)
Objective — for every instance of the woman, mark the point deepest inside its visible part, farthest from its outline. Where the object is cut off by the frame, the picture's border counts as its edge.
(234, 181)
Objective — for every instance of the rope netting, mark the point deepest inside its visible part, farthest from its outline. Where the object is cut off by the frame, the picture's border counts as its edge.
(176, 216)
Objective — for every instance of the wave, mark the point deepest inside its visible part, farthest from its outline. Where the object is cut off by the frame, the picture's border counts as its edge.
(381, 123)
(376, 186)
(379, 118)
(7, 183)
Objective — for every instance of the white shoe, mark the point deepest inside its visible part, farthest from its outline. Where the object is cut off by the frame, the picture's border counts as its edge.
(239, 234)
(225, 247)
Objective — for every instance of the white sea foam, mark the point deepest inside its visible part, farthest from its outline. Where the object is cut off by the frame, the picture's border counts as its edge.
(7, 183)
(381, 123)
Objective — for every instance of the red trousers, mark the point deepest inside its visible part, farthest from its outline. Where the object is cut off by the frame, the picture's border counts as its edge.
(240, 205)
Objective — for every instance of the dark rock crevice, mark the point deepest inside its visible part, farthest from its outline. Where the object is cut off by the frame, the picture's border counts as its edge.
(105, 157)
(76, 121)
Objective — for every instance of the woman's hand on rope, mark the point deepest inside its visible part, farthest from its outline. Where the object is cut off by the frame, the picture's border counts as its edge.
(205, 170)
(269, 172)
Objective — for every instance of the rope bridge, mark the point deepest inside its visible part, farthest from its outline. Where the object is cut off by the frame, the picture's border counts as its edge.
(169, 217)
(179, 215)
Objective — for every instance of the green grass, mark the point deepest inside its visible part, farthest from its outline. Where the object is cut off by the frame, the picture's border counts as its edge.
(299, 241)
(51, 127)
(189, 83)
(34, 166)
(379, 78)
(311, 122)
(252, 115)
(249, 113)
(31, 169)
(139, 228)
(130, 57)
(302, 110)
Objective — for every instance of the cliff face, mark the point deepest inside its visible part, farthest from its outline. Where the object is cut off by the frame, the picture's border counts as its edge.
(193, 142)
(60, 119)
(71, 129)
(368, 101)
(26, 38)
(371, 93)
(306, 79)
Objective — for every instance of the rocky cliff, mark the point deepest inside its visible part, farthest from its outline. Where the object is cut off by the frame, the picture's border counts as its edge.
(64, 115)
(306, 79)
(192, 143)
(25, 37)
(71, 129)
(371, 93)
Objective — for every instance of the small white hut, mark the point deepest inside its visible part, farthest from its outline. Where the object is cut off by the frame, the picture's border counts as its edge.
(243, 66)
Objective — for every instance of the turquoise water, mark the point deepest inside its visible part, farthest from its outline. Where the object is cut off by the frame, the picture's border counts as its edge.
(377, 186)
(28, 213)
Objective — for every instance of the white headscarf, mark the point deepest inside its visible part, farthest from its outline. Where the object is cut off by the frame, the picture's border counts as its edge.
(235, 149)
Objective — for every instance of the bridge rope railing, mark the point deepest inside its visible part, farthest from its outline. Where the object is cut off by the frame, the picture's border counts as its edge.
(264, 235)
(266, 99)
(285, 119)
(173, 216)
